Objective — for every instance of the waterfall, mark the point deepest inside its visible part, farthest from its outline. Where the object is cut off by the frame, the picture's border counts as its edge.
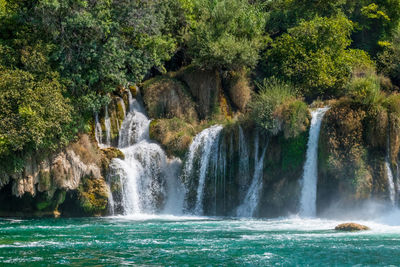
(135, 126)
(147, 178)
(107, 124)
(204, 145)
(392, 191)
(252, 197)
(244, 157)
(111, 203)
(97, 129)
(308, 198)
(397, 181)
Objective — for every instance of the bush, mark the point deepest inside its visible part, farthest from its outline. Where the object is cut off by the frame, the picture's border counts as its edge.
(315, 56)
(225, 33)
(366, 90)
(277, 108)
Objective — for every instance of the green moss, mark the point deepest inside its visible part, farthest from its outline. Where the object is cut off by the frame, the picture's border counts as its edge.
(133, 89)
(112, 152)
(43, 205)
(293, 151)
(175, 135)
(44, 180)
(93, 196)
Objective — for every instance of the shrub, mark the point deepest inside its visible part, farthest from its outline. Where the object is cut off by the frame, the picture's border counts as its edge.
(277, 108)
(225, 33)
(366, 90)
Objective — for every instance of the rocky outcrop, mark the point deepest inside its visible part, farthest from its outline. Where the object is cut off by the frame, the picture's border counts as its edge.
(42, 185)
(167, 98)
(352, 152)
(351, 227)
(204, 86)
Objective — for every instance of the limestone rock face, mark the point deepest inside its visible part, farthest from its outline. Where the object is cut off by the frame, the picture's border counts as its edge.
(167, 98)
(68, 169)
(204, 85)
(351, 227)
(41, 188)
(352, 151)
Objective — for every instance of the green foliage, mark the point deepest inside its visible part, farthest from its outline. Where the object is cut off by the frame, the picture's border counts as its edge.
(366, 90)
(225, 34)
(374, 20)
(315, 56)
(293, 151)
(277, 108)
(33, 112)
(389, 59)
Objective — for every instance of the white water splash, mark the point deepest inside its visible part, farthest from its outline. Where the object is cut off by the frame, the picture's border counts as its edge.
(308, 198)
(145, 173)
(252, 198)
(203, 144)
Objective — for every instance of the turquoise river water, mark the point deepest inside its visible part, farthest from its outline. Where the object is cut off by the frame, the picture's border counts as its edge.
(193, 241)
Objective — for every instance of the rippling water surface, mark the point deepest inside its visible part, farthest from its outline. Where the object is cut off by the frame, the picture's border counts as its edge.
(169, 240)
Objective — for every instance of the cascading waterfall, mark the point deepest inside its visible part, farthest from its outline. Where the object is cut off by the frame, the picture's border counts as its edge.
(308, 198)
(98, 131)
(244, 160)
(397, 181)
(252, 198)
(389, 173)
(107, 124)
(204, 145)
(146, 174)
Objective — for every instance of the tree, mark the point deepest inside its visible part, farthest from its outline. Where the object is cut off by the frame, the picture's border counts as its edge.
(315, 56)
(225, 34)
(34, 115)
(389, 59)
(374, 22)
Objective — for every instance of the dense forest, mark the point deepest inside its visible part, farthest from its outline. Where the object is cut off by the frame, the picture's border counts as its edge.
(62, 60)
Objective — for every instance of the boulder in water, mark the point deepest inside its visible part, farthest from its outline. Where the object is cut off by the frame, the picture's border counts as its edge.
(350, 227)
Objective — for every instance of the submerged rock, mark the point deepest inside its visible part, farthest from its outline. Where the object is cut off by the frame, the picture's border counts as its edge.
(350, 227)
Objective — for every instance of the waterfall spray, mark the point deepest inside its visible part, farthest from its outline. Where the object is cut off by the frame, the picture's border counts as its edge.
(147, 178)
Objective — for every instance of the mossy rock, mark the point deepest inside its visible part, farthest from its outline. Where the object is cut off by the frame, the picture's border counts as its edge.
(93, 196)
(237, 83)
(167, 98)
(44, 180)
(351, 227)
(112, 152)
(175, 135)
(133, 89)
(204, 86)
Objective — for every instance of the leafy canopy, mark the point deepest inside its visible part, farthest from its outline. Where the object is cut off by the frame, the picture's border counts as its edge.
(225, 34)
(315, 56)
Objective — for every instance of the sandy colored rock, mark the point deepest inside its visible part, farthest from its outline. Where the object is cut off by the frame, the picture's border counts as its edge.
(350, 227)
